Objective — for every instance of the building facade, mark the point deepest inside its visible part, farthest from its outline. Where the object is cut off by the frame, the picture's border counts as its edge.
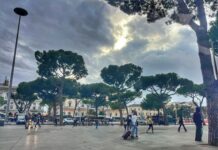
(85, 109)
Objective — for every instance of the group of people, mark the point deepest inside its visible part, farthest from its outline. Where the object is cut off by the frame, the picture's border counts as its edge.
(131, 125)
(198, 120)
(30, 119)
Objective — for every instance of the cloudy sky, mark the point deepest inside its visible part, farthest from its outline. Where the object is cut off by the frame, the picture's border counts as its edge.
(102, 34)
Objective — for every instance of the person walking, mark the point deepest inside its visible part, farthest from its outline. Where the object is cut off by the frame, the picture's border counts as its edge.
(134, 126)
(150, 125)
(181, 123)
(129, 122)
(96, 123)
(125, 124)
(38, 119)
(198, 120)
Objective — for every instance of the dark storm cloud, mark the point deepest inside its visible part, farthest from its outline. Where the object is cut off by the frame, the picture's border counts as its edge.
(85, 26)
(81, 26)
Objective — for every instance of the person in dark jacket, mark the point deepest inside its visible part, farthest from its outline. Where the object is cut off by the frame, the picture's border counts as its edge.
(181, 123)
(198, 120)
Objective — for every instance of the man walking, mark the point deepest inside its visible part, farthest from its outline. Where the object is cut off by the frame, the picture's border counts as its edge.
(198, 120)
(38, 119)
(181, 123)
(134, 126)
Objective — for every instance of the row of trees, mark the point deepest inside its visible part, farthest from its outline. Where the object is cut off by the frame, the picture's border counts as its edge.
(60, 70)
(191, 13)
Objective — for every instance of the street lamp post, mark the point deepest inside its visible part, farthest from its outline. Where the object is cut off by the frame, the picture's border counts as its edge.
(20, 12)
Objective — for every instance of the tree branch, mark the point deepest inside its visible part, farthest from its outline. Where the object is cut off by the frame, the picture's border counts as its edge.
(201, 13)
(194, 26)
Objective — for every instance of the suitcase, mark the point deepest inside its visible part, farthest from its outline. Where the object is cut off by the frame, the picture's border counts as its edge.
(126, 135)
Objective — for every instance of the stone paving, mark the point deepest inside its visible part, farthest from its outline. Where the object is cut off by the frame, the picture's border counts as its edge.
(104, 138)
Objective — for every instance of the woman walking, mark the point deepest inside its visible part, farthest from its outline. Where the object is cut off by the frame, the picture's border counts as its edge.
(150, 125)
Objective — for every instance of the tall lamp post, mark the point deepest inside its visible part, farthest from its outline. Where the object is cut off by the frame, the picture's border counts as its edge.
(20, 12)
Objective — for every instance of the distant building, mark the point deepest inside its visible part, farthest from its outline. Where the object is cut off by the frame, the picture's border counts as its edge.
(84, 109)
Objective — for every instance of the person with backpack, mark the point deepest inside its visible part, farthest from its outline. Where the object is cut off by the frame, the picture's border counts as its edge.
(150, 125)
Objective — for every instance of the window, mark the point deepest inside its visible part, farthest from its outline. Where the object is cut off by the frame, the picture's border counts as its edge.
(11, 107)
(69, 104)
(82, 113)
(34, 108)
(69, 113)
(115, 114)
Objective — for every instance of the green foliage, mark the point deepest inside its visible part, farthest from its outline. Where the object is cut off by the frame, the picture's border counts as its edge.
(194, 91)
(60, 63)
(71, 88)
(47, 89)
(213, 34)
(2, 102)
(155, 10)
(123, 98)
(25, 96)
(91, 112)
(95, 94)
(160, 83)
(153, 101)
(121, 77)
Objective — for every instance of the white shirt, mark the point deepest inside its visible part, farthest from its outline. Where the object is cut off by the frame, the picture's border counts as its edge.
(134, 119)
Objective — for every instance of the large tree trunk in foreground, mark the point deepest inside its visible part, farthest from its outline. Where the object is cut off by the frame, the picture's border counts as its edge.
(211, 86)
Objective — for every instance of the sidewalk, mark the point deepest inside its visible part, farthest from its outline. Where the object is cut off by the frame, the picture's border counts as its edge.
(104, 138)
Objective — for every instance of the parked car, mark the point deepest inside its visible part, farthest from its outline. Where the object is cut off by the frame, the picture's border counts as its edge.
(141, 121)
(68, 121)
(20, 119)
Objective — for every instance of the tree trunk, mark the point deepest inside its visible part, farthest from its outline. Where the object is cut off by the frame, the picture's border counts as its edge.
(127, 111)
(61, 112)
(211, 85)
(96, 111)
(165, 116)
(212, 111)
(158, 115)
(49, 110)
(54, 109)
(75, 107)
(60, 99)
(121, 116)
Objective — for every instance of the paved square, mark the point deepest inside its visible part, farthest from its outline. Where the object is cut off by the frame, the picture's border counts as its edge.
(104, 138)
